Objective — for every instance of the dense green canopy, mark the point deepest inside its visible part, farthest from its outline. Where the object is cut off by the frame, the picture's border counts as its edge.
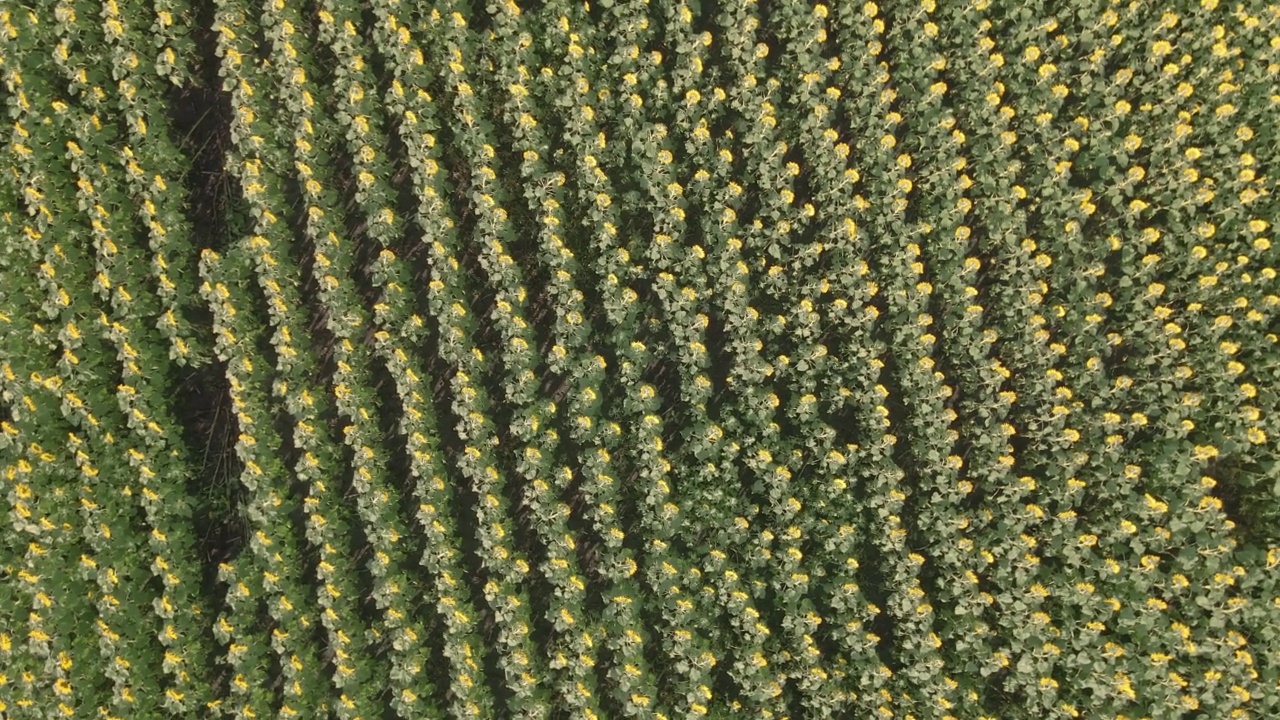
(639, 358)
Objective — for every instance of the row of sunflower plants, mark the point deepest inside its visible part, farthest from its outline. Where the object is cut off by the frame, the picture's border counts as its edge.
(545, 197)
(334, 264)
(377, 507)
(44, 537)
(263, 571)
(809, 111)
(681, 299)
(409, 98)
(169, 36)
(593, 424)
(41, 569)
(949, 290)
(263, 580)
(151, 162)
(516, 371)
(122, 337)
(1046, 682)
(1002, 456)
(1176, 405)
(779, 248)
(914, 373)
(327, 521)
(1060, 395)
(142, 401)
(505, 568)
(525, 670)
(676, 582)
(31, 484)
(940, 281)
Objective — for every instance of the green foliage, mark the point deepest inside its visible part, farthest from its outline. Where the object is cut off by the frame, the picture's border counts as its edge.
(639, 359)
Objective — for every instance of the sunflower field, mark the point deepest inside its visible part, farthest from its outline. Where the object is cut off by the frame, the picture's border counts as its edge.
(397, 359)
